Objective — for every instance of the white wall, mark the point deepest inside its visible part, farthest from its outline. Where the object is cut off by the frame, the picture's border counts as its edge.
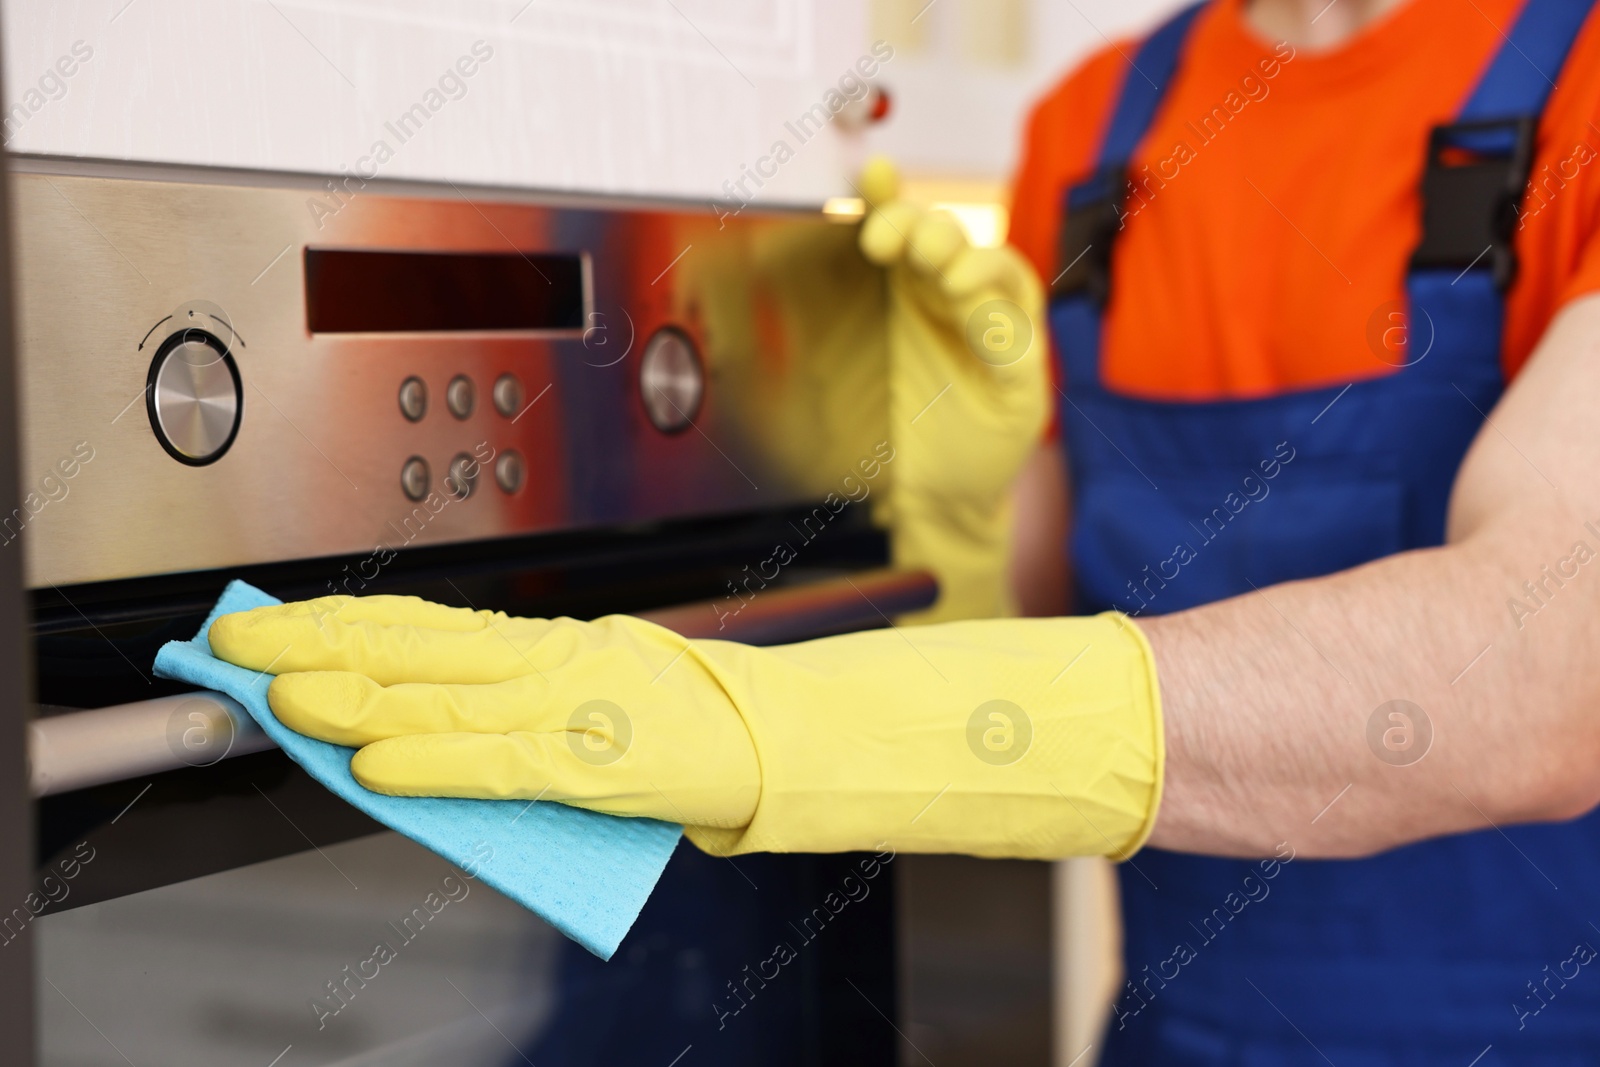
(654, 97)
(971, 68)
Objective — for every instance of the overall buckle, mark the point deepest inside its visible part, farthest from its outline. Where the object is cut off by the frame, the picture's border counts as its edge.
(1093, 212)
(1472, 185)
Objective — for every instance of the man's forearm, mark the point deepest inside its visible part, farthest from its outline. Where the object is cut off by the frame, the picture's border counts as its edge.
(1268, 698)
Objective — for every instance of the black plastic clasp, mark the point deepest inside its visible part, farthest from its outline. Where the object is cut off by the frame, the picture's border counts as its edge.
(1472, 185)
(1093, 213)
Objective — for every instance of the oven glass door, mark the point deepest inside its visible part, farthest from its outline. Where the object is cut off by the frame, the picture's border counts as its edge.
(377, 952)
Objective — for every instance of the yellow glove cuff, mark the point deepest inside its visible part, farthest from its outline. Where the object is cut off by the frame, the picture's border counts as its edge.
(1037, 739)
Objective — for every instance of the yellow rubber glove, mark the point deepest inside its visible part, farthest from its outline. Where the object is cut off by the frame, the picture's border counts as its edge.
(969, 394)
(1034, 738)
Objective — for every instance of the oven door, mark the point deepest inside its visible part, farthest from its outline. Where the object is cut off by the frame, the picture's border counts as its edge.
(533, 404)
(207, 902)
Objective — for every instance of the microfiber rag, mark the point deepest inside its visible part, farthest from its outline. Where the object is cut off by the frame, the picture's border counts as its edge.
(584, 873)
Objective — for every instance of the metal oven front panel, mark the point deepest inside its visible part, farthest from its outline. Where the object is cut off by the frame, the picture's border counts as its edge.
(180, 412)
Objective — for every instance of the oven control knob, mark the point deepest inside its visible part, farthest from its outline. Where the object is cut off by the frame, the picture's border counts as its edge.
(508, 395)
(413, 398)
(414, 478)
(509, 471)
(672, 382)
(458, 396)
(463, 476)
(194, 397)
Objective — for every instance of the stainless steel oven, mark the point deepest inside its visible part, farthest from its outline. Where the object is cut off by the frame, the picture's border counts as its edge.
(540, 405)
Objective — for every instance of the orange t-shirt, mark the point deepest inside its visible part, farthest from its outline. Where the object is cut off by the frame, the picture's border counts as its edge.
(1281, 203)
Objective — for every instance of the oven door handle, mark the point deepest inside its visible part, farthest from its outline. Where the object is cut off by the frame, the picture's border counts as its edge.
(78, 749)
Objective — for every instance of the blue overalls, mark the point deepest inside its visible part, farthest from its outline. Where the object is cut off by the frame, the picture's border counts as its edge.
(1431, 953)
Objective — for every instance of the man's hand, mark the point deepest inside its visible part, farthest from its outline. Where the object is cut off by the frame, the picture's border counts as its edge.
(967, 737)
(450, 702)
(968, 392)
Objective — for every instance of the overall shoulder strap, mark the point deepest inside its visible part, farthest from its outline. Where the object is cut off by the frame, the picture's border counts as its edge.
(1091, 212)
(1478, 166)
(1144, 86)
(1523, 72)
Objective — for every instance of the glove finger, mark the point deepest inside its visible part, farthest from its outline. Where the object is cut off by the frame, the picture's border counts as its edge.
(596, 769)
(283, 644)
(879, 182)
(587, 769)
(990, 273)
(388, 610)
(935, 242)
(992, 296)
(885, 235)
(351, 709)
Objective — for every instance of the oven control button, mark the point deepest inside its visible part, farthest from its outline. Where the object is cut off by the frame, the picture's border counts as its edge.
(413, 398)
(508, 471)
(463, 476)
(458, 395)
(508, 395)
(672, 381)
(414, 478)
(194, 397)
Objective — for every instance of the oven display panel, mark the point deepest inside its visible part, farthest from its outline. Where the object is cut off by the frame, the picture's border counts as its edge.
(351, 291)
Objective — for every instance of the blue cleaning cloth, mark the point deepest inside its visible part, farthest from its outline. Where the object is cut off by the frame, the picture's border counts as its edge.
(586, 874)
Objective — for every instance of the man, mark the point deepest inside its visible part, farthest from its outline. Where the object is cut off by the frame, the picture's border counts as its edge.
(1258, 287)
(1288, 291)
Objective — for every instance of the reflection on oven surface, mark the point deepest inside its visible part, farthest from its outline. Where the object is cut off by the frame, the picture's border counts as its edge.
(235, 967)
(376, 951)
